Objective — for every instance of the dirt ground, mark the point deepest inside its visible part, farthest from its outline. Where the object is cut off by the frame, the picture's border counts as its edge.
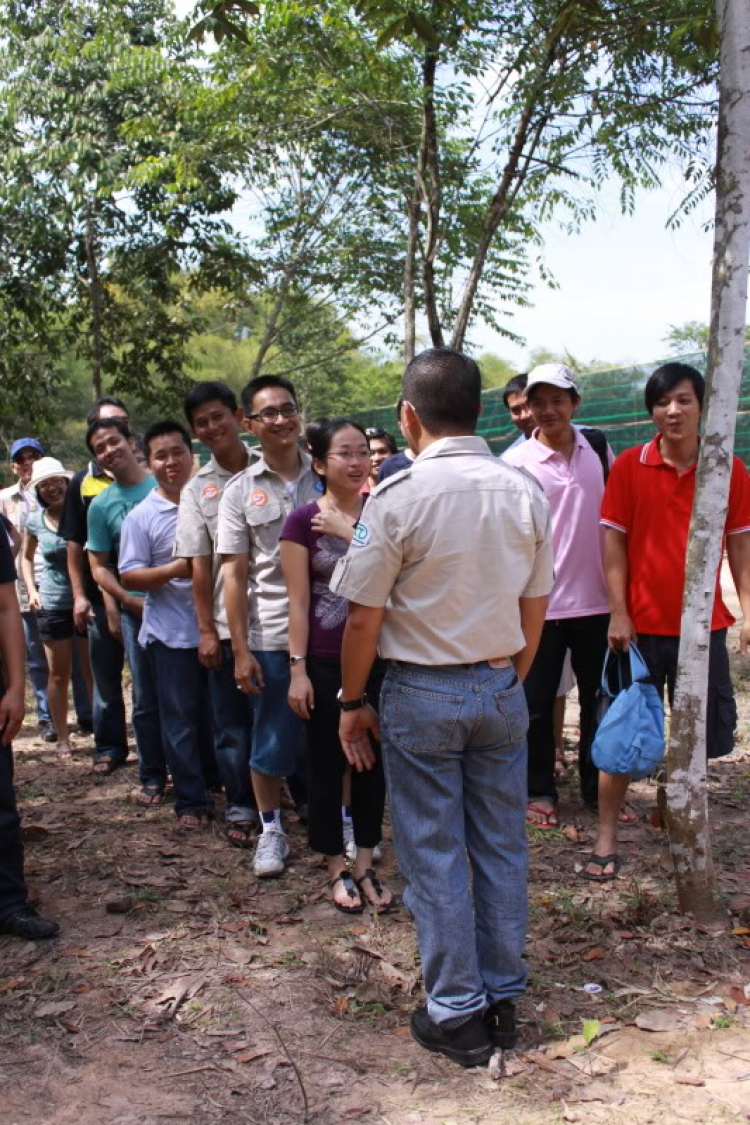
(182, 988)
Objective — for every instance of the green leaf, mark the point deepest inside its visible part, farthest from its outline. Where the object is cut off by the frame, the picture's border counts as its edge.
(591, 1029)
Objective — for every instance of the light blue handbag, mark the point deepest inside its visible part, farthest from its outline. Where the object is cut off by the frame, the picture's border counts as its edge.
(630, 736)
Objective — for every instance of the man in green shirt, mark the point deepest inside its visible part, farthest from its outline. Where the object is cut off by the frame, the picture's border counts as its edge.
(113, 446)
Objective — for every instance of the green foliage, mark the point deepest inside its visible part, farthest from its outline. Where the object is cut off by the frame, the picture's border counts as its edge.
(591, 1029)
(692, 336)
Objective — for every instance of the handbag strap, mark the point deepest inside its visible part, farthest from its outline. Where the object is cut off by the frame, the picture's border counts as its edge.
(638, 667)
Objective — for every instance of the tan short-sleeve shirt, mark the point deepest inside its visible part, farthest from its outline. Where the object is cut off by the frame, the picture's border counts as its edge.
(252, 511)
(448, 547)
(197, 528)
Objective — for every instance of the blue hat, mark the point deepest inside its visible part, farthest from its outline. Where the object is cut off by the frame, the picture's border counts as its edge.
(25, 443)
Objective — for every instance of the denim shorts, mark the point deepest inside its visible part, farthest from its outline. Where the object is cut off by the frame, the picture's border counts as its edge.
(278, 741)
(56, 625)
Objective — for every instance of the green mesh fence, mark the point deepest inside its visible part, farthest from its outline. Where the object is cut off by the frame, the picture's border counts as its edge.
(612, 402)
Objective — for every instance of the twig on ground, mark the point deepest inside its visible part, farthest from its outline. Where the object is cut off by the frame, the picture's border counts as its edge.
(292, 1063)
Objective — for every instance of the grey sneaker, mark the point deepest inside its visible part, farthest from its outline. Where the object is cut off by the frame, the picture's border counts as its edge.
(271, 853)
(350, 848)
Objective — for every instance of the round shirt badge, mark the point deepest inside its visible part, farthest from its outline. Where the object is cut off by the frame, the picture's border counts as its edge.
(210, 491)
(361, 535)
(259, 498)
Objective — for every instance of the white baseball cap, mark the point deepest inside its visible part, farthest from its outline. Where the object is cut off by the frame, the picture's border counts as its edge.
(553, 375)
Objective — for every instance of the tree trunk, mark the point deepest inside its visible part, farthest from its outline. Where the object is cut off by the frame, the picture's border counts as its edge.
(97, 303)
(687, 797)
(410, 307)
(270, 331)
(428, 180)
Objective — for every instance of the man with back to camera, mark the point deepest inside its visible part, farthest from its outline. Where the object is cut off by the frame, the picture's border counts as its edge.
(252, 511)
(646, 515)
(95, 610)
(448, 575)
(113, 446)
(215, 419)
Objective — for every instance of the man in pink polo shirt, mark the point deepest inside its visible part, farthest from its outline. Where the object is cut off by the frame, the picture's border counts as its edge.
(571, 474)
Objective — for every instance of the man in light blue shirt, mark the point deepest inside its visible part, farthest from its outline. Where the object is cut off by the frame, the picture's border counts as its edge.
(514, 400)
(169, 631)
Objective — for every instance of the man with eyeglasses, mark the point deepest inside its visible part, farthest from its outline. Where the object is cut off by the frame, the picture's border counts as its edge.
(252, 511)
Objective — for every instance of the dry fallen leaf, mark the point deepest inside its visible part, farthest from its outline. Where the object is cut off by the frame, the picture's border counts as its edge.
(594, 954)
(237, 954)
(54, 1008)
(570, 832)
(660, 1019)
(688, 1080)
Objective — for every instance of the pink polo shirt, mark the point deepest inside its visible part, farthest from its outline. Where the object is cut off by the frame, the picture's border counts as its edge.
(574, 489)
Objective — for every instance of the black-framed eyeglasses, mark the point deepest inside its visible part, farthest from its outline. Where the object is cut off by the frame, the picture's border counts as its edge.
(271, 413)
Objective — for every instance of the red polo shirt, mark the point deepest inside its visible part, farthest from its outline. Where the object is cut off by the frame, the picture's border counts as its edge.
(652, 504)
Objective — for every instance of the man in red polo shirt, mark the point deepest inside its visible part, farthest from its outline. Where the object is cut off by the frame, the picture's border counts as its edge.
(646, 513)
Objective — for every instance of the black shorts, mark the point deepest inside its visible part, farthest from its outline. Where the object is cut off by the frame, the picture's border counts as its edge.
(660, 653)
(56, 625)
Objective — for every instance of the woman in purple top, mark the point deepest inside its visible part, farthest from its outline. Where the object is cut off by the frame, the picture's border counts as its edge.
(313, 539)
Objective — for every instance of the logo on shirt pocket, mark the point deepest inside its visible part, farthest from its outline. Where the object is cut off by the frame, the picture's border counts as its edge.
(210, 491)
(362, 535)
(258, 498)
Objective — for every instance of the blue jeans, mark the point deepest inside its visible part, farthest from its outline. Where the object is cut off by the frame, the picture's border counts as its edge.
(36, 665)
(279, 739)
(107, 661)
(233, 726)
(152, 763)
(454, 751)
(182, 691)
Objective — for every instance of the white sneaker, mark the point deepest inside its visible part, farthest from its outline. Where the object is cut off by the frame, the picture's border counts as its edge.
(271, 853)
(350, 848)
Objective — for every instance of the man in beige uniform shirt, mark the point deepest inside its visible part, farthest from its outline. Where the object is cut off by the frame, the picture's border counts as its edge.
(215, 419)
(448, 574)
(252, 511)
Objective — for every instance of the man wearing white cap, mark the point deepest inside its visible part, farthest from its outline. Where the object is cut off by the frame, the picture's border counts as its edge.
(571, 465)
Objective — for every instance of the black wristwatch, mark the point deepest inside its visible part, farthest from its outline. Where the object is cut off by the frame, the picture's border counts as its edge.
(351, 704)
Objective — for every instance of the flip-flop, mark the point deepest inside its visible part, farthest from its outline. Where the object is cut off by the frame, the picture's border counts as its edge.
(602, 861)
(624, 808)
(244, 831)
(150, 797)
(550, 817)
(351, 889)
(377, 886)
(104, 766)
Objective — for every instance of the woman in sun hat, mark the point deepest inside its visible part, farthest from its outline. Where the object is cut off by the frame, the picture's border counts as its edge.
(52, 598)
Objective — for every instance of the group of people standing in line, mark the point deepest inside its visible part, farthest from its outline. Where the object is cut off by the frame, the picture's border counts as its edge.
(338, 616)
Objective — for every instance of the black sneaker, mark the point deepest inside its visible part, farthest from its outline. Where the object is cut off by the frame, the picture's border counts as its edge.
(26, 923)
(47, 732)
(500, 1021)
(467, 1045)
(85, 726)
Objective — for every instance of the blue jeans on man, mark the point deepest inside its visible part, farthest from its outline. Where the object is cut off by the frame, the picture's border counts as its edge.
(233, 726)
(454, 752)
(152, 769)
(182, 691)
(107, 662)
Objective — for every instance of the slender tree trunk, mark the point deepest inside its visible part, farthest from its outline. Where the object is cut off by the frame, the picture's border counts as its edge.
(428, 179)
(97, 306)
(410, 267)
(270, 331)
(687, 797)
